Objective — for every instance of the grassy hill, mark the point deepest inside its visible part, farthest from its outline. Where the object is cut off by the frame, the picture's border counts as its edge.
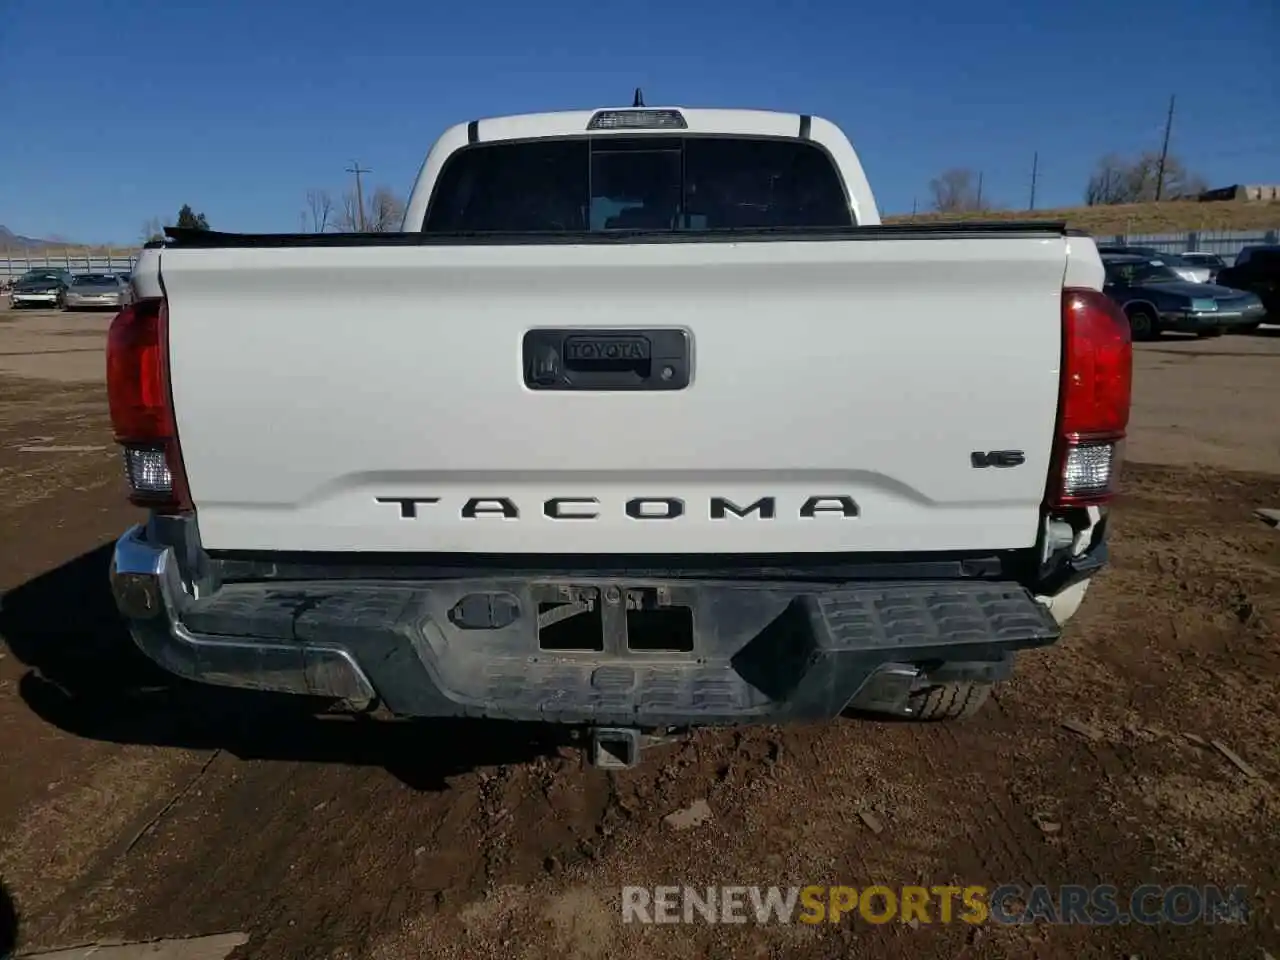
(1175, 216)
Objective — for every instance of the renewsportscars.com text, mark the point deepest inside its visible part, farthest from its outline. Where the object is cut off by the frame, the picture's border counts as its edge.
(1101, 905)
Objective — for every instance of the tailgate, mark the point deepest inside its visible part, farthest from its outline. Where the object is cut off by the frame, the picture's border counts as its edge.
(375, 398)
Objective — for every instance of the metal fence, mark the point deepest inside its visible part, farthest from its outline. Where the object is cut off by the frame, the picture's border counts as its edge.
(1225, 243)
(14, 264)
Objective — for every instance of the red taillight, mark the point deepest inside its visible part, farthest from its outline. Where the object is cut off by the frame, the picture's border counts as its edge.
(141, 405)
(1093, 405)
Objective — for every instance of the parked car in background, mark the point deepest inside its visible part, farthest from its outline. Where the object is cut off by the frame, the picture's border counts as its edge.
(1155, 299)
(1248, 253)
(1175, 262)
(95, 291)
(1210, 261)
(43, 272)
(1259, 273)
(39, 288)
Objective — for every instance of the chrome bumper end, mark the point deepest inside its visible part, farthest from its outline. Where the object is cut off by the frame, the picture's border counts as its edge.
(150, 594)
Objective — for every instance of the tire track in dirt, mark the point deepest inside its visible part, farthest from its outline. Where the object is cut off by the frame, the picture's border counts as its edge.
(69, 842)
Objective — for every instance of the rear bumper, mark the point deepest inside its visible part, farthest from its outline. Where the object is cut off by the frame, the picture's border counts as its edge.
(93, 303)
(761, 652)
(1190, 321)
(149, 592)
(33, 299)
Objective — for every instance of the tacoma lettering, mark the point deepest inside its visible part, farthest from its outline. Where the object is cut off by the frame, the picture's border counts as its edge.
(720, 506)
(491, 507)
(559, 508)
(841, 505)
(408, 505)
(637, 508)
(643, 508)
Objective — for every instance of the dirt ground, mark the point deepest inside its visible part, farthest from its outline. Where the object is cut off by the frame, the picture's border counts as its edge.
(133, 806)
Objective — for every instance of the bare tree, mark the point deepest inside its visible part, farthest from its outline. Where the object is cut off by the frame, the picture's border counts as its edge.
(383, 212)
(1179, 182)
(347, 218)
(152, 229)
(319, 212)
(1117, 180)
(1109, 183)
(956, 191)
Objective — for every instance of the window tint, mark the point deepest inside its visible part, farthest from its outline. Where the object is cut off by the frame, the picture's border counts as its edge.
(636, 184)
(656, 183)
(1203, 259)
(94, 280)
(1138, 272)
(764, 183)
(1248, 253)
(525, 187)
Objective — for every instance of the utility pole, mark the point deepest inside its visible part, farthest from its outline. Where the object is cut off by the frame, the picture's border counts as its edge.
(357, 170)
(913, 208)
(1164, 150)
(1035, 170)
(979, 189)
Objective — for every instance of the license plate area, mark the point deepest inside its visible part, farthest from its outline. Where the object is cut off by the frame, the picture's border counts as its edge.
(614, 619)
(606, 359)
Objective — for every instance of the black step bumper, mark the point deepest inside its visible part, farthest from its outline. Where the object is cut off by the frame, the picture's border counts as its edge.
(761, 652)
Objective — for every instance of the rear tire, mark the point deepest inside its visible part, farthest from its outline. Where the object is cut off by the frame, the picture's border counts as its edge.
(1143, 324)
(949, 701)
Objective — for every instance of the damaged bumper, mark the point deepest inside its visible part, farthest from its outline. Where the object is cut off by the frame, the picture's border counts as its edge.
(663, 652)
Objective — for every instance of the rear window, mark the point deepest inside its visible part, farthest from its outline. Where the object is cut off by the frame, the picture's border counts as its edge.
(94, 280)
(1203, 259)
(1134, 272)
(1265, 258)
(651, 184)
(1248, 253)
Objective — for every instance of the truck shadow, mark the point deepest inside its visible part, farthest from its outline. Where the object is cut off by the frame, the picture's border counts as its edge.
(8, 923)
(86, 677)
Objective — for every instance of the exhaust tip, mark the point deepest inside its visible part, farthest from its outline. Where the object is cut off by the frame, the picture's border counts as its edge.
(887, 690)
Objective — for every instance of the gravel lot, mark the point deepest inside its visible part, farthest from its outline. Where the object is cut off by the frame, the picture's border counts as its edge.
(134, 807)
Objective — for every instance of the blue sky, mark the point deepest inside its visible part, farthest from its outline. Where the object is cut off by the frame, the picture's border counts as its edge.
(115, 111)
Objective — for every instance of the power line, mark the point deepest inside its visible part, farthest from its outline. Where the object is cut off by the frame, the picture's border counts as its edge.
(357, 170)
(1035, 171)
(1164, 151)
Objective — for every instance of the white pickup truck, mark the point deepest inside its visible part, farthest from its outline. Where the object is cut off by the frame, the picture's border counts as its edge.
(643, 422)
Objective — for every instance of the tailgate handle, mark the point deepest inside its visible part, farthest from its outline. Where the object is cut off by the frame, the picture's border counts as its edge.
(629, 356)
(578, 359)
